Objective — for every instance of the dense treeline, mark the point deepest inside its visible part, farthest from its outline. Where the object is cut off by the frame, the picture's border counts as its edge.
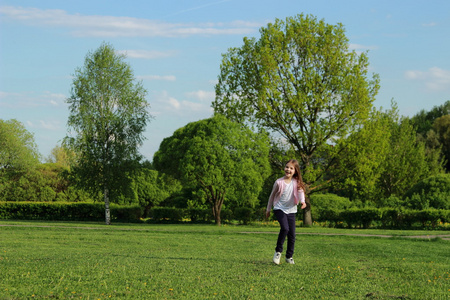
(162, 197)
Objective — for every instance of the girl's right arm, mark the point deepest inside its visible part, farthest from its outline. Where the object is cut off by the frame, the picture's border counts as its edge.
(271, 199)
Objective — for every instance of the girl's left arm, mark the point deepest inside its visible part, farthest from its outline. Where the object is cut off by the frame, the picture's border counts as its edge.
(301, 196)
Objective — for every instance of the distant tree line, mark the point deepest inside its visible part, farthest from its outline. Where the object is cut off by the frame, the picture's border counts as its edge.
(417, 179)
(296, 92)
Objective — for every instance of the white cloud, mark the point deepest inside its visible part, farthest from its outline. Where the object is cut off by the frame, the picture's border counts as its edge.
(111, 26)
(434, 79)
(146, 54)
(164, 104)
(431, 24)
(52, 125)
(29, 100)
(202, 95)
(173, 103)
(157, 77)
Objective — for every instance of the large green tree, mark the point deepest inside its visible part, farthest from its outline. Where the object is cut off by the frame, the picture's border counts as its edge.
(357, 173)
(431, 127)
(19, 159)
(18, 151)
(299, 80)
(222, 159)
(108, 115)
(442, 127)
(383, 158)
(423, 120)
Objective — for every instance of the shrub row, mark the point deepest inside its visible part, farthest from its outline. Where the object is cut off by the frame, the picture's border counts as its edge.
(70, 211)
(60, 211)
(351, 217)
(384, 217)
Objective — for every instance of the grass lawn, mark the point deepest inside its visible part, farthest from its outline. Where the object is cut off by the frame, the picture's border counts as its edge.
(56, 260)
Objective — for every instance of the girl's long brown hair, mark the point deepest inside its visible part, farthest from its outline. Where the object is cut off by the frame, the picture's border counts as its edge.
(298, 174)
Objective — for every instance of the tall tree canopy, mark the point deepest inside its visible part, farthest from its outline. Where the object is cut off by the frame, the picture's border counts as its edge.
(223, 159)
(301, 81)
(108, 115)
(423, 120)
(442, 126)
(433, 128)
(18, 151)
(383, 158)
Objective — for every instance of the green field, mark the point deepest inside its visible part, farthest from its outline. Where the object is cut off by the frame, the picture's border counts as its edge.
(140, 261)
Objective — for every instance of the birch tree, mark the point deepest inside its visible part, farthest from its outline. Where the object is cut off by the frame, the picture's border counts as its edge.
(108, 115)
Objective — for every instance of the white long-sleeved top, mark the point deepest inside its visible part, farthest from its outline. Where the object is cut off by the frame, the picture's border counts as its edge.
(277, 191)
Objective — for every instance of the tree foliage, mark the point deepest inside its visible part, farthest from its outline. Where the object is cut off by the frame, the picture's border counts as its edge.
(358, 171)
(62, 156)
(18, 151)
(406, 162)
(423, 120)
(108, 115)
(383, 158)
(433, 191)
(221, 159)
(298, 80)
(433, 128)
(153, 187)
(442, 127)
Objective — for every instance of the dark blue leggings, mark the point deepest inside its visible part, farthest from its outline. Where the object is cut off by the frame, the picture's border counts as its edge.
(287, 228)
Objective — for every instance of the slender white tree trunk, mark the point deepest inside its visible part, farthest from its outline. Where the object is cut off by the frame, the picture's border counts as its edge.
(107, 210)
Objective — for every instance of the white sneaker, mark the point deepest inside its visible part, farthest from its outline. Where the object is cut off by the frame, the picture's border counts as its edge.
(276, 258)
(290, 261)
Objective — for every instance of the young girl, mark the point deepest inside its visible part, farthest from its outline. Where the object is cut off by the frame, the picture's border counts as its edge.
(287, 193)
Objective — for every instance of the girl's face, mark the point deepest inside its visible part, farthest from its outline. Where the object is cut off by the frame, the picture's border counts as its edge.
(289, 170)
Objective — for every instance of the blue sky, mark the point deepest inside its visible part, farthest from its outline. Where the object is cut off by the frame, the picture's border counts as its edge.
(175, 48)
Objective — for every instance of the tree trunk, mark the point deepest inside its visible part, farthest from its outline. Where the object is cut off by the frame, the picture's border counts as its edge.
(216, 213)
(307, 218)
(107, 210)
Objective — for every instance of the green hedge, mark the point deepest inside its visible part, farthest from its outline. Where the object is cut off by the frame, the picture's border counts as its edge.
(60, 211)
(173, 214)
(351, 217)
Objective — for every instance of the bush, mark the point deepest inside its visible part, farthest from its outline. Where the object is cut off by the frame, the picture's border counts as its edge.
(431, 216)
(363, 217)
(47, 194)
(59, 211)
(226, 215)
(323, 205)
(244, 215)
(391, 201)
(198, 214)
(432, 192)
(167, 213)
(131, 213)
(389, 217)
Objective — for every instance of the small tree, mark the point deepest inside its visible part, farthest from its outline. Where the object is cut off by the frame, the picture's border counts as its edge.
(153, 187)
(222, 159)
(108, 115)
